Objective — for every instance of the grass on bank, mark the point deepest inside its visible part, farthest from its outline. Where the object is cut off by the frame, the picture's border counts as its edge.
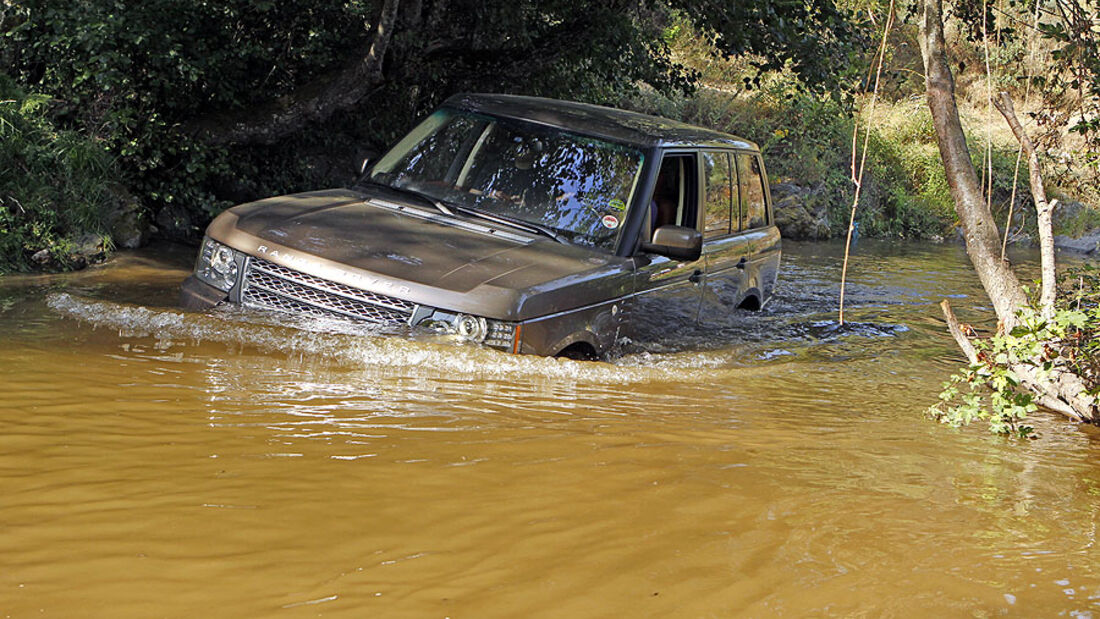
(807, 139)
(55, 186)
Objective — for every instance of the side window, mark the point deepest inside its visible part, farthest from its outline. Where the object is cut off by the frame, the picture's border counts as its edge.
(716, 201)
(673, 200)
(754, 211)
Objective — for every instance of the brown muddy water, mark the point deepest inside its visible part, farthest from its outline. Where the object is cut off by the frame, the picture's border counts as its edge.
(161, 464)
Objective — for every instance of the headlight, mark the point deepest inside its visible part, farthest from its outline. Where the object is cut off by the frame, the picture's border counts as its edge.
(486, 331)
(217, 265)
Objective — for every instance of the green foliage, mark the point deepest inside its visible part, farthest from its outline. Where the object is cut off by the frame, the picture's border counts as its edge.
(1069, 341)
(55, 185)
(129, 74)
(1059, 62)
(807, 140)
(1077, 50)
(962, 401)
(1076, 219)
(137, 76)
(911, 194)
(907, 195)
(1086, 220)
(1079, 289)
(1053, 75)
(819, 42)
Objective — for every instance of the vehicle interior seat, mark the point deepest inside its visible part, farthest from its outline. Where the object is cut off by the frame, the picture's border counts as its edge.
(665, 204)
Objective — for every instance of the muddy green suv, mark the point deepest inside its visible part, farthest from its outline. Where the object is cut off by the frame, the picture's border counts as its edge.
(526, 224)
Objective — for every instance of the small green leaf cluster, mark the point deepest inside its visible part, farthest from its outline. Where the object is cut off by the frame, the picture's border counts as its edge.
(990, 390)
(964, 395)
(1079, 289)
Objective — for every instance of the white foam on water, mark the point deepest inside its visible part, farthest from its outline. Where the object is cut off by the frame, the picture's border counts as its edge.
(371, 348)
(354, 345)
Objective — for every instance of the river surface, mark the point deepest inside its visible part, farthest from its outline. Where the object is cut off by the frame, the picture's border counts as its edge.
(155, 463)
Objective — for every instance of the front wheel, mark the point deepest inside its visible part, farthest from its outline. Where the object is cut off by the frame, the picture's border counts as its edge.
(580, 351)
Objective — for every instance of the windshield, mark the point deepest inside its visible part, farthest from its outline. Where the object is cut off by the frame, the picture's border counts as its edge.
(576, 185)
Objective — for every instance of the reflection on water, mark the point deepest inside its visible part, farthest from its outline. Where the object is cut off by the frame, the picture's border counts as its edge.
(155, 463)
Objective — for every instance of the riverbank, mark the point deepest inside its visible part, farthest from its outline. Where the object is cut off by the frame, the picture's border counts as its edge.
(807, 143)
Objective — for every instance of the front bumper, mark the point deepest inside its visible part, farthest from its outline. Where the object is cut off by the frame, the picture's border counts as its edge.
(198, 295)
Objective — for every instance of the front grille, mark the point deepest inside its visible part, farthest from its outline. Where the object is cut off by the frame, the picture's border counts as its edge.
(271, 286)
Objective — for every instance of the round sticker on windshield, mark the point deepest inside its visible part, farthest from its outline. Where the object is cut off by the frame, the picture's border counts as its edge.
(617, 204)
(610, 222)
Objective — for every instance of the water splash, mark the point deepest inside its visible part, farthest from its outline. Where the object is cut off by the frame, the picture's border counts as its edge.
(796, 323)
(342, 343)
(751, 340)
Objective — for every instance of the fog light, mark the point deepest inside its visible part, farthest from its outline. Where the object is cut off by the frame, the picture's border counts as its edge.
(472, 328)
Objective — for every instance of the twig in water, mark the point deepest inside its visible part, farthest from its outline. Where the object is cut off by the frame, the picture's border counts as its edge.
(858, 178)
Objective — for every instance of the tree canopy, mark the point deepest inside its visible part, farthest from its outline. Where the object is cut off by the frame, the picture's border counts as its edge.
(203, 103)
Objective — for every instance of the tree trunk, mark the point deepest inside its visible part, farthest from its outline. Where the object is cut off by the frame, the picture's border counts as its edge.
(1058, 389)
(313, 102)
(983, 243)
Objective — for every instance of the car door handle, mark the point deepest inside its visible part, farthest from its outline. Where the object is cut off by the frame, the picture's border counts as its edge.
(741, 264)
(696, 277)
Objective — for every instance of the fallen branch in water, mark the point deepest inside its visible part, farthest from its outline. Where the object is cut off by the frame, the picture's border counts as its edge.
(958, 333)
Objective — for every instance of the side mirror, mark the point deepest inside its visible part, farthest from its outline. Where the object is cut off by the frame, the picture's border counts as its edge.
(676, 242)
(370, 157)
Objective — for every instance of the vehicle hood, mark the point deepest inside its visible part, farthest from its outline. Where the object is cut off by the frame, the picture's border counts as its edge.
(459, 263)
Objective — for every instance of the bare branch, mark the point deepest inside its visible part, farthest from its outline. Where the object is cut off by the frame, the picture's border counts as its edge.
(857, 175)
(957, 332)
(1043, 208)
(316, 101)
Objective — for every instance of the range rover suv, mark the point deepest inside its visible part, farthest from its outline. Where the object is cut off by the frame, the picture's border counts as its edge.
(526, 224)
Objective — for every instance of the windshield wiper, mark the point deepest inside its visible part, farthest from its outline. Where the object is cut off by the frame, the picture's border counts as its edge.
(449, 210)
(440, 205)
(522, 224)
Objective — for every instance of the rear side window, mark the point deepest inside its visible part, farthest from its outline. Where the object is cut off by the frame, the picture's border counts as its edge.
(754, 210)
(717, 219)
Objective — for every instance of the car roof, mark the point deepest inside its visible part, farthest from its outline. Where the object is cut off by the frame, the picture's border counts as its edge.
(632, 128)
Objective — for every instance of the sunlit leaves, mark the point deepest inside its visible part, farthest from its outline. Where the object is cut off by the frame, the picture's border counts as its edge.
(1070, 341)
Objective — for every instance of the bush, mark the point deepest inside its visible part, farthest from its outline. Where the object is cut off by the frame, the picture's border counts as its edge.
(1070, 341)
(908, 195)
(55, 185)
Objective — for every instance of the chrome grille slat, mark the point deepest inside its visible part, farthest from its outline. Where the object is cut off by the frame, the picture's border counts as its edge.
(279, 271)
(271, 286)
